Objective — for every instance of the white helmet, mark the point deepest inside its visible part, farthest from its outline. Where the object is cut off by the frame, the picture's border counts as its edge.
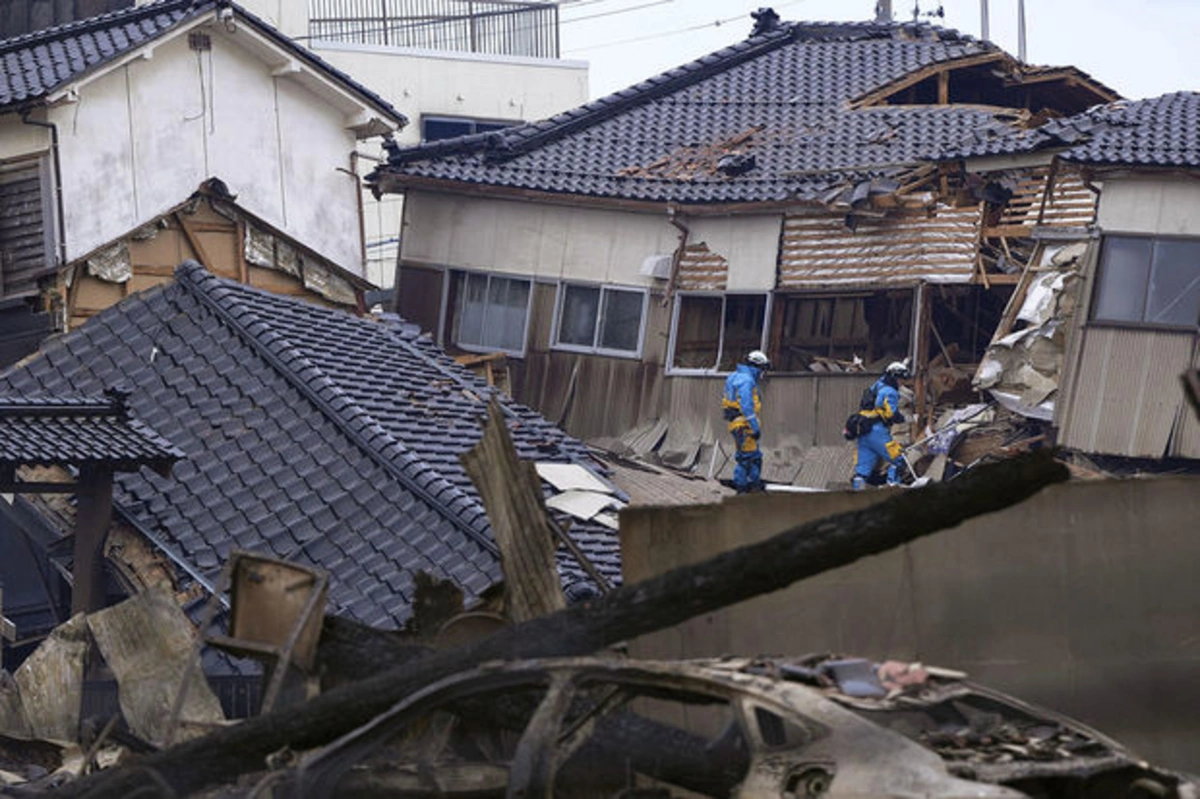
(758, 358)
(898, 369)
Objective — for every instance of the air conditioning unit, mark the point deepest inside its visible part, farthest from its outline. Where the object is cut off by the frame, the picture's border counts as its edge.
(657, 266)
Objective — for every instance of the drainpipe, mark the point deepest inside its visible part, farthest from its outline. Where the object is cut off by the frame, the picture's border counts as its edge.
(362, 222)
(672, 217)
(60, 222)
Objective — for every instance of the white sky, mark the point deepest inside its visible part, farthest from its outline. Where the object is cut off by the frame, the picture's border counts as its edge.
(1140, 48)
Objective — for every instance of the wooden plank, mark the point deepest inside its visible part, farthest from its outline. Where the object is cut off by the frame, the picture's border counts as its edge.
(512, 494)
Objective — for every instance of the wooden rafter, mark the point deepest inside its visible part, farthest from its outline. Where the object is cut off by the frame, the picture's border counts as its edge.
(913, 78)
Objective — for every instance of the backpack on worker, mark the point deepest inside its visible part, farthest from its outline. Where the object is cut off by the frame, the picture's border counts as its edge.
(857, 425)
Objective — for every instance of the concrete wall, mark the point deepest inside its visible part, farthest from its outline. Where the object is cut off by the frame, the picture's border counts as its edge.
(140, 138)
(1082, 599)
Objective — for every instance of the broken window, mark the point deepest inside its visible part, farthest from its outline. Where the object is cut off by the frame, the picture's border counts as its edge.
(713, 332)
(1147, 280)
(490, 312)
(599, 319)
(810, 331)
(26, 243)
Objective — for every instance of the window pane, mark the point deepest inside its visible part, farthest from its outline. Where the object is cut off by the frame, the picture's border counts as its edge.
(577, 317)
(743, 328)
(1174, 294)
(1124, 269)
(696, 333)
(622, 320)
(508, 304)
(473, 290)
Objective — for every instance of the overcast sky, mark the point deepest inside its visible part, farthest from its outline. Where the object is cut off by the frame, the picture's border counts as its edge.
(1140, 48)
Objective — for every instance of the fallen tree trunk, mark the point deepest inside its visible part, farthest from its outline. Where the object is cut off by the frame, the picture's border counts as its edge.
(630, 611)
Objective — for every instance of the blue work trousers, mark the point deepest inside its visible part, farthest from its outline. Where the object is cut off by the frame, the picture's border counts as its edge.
(748, 472)
(872, 449)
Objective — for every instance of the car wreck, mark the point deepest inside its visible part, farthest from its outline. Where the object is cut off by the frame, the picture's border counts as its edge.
(814, 726)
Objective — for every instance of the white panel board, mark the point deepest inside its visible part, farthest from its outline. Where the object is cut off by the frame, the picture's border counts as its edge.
(750, 244)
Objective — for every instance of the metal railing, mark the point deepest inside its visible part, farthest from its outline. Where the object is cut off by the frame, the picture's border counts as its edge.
(493, 27)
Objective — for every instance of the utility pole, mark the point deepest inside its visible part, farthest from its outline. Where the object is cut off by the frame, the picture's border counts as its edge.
(1021, 30)
(883, 11)
(983, 20)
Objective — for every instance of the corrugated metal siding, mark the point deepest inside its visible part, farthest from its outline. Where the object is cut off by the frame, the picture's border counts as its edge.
(1063, 403)
(23, 255)
(819, 252)
(701, 269)
(1127, 394)
(1185, 441)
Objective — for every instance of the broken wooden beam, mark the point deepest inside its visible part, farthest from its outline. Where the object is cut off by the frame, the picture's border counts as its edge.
(628, 612)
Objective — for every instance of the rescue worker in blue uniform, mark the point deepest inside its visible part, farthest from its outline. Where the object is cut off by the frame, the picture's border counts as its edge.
(741, 406)
(876, 445)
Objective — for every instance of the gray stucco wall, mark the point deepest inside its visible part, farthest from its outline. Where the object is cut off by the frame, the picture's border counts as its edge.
(1084, 599)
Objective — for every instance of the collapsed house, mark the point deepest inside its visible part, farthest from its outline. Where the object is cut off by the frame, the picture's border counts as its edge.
(308, 435)
(780, 194)
(109, 122)
(1111, 312)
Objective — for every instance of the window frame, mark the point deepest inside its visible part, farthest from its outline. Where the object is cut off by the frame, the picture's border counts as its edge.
(918, 296)
(1099, 274)
(474, 123)
(556, 322)
(672, 338)
(451, 312)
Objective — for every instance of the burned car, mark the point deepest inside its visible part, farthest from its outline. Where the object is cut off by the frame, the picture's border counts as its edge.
(819, 726)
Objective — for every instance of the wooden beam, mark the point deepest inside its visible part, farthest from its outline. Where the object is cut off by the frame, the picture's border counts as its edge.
(943, 88)
(913, 78)
(193, 242)
(92, 520)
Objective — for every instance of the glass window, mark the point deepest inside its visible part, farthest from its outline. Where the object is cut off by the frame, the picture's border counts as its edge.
(434, 128)
(491, 312)
(600, 318)
(714, 332)
(1150, 281)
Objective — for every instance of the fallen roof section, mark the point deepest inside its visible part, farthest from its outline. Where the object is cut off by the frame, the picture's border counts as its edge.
(311, 435)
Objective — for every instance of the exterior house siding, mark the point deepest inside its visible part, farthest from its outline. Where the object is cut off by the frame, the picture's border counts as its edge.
(1124, 393)
(149, 132)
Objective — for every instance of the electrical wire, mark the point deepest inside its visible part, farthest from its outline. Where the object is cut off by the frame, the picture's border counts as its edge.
(691, 29)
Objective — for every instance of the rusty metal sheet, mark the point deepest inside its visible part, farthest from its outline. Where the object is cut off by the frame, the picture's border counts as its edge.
(1127, 393)
(822, 252)
(701, 269)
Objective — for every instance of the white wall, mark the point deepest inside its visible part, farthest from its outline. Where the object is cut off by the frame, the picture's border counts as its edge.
(750, 245)
(1166, 206)
(461, 84)
(141, 138)
(550, 242)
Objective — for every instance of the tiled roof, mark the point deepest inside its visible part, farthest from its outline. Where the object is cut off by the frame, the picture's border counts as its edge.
(1157, 132)
(780, 99)
(79, 431)
(34, 64)
(311, 435)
